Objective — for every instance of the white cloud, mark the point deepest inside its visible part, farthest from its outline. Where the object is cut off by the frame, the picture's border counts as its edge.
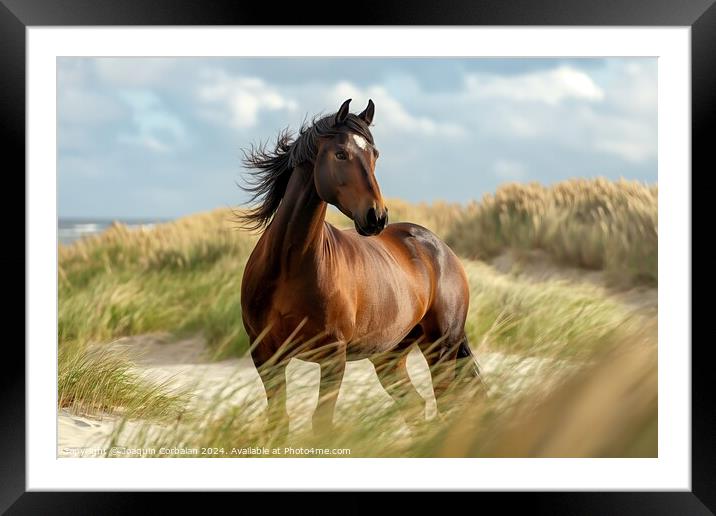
(147, 141)
(453, 136)
(616, 117)
(633, 87)
(155, 127)
(636, 152)
(237, 101)
(79, 105)
(81, 110)
(81, 167)
(72, 72)
(509, 170)
(390, 112)
(547, 86)
(520, 125)
(631, 142)
(628, 136)
(132, 72)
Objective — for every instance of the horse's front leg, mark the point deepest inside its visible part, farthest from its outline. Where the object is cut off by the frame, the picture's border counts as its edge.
(332, 370)
(273, 377)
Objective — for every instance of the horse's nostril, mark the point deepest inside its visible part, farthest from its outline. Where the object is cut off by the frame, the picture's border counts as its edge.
(371, 218)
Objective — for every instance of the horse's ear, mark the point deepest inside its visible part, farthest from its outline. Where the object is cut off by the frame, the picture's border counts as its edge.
(342, 113)
(367, 114)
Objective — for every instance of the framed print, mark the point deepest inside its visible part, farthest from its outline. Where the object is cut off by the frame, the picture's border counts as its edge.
(422, 253)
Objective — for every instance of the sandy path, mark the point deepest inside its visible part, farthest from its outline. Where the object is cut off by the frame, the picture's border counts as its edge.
(538, 266)
(184, 365)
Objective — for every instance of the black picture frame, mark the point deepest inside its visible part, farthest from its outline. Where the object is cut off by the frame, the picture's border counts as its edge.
(17, 15)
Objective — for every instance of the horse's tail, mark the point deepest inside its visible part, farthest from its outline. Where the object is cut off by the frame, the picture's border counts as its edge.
(468, 365)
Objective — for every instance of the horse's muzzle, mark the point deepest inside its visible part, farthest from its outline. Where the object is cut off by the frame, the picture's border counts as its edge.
(374, 223)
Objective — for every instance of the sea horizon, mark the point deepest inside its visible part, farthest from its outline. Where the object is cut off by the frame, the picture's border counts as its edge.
(71, 229)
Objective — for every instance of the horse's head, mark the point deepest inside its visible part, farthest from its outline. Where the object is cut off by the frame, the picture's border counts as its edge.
(345, 170)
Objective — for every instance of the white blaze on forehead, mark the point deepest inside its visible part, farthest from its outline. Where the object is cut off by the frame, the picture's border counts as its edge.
(360, 141)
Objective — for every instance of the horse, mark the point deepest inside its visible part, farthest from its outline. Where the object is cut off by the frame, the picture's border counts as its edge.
(317, 293)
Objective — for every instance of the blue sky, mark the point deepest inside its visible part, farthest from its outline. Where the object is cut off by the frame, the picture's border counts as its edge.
(162, 137)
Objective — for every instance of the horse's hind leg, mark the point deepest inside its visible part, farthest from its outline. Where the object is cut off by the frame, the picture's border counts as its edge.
(392, 372)
(466, 365)
(332, 370)
(441, 362)
(451, 362)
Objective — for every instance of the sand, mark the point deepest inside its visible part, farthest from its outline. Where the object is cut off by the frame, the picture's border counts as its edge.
(538, 266)
(184, 365)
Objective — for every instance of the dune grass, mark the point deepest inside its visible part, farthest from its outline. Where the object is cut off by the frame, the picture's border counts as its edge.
(595, 224)
(554, 318)
(184, 277)
(100, 381)
(604, 406)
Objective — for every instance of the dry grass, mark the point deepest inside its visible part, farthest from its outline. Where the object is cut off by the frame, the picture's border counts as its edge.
(595, 224)
(184, 277)
(604, 407)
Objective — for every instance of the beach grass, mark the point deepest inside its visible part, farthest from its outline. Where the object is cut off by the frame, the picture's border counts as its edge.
(184, 277)
(602, 407)
(100, 381)
(594, 224)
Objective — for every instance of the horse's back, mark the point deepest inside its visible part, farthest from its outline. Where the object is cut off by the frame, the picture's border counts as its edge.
(450, 291)
(413, 247)
(420, 242)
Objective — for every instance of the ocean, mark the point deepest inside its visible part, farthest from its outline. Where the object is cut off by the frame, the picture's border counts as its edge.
(71, 229)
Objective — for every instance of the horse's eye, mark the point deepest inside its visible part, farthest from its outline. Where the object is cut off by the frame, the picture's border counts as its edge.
(341, 155)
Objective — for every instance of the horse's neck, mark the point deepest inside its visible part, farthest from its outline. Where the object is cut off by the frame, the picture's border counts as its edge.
(296, 233)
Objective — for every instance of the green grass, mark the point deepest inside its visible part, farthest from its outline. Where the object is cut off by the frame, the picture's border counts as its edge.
(552, 318)
(100, 381)
(126, 302)
(184, 277)
(609, 402)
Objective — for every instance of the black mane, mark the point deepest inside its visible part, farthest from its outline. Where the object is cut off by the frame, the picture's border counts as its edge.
(270, 170)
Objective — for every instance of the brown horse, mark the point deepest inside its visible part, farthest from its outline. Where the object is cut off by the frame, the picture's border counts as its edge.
(318, 293)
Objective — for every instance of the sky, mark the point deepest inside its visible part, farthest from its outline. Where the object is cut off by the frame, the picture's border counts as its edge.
(162, 137)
